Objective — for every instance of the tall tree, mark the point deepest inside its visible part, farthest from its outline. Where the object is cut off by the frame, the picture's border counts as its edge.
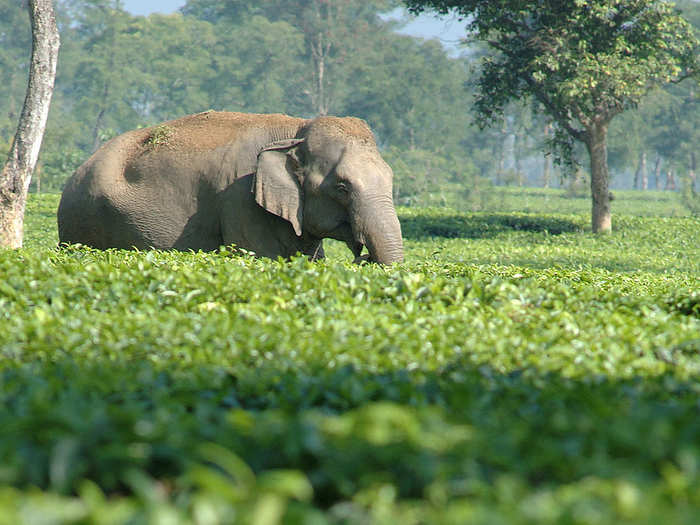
(106, 73)
(255, 67)
(584, 61)
(675, 127)
(333, 33)
(174, 62)
(16, 175)
(332, 30)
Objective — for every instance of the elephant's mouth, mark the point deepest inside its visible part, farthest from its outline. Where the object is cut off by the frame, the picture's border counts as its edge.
(344, 233)
(356, 248)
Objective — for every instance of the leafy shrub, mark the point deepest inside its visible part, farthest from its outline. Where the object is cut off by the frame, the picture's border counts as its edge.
(515, 377)
(687, 303)
(435, 222)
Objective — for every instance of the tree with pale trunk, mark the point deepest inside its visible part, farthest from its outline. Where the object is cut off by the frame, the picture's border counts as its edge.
(584, 61)
(24, 153)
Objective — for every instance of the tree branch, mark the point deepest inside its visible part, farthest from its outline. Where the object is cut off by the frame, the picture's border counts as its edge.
(561, 119)
(558, 115)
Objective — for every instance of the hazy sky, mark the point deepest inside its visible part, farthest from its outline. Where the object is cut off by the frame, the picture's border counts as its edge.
(448, 30)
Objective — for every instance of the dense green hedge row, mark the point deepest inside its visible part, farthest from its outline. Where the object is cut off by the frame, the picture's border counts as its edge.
(516, 369)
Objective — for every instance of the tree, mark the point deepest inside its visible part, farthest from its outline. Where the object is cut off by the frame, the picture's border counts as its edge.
(332, 30)
(16, 175)
(174, 64)
(108, 68)
(254, 66)
(584, 61)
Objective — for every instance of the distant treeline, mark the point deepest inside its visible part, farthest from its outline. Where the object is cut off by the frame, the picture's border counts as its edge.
(312, 57)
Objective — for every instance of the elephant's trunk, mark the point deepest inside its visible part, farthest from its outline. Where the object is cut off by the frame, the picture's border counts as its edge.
(378, 228)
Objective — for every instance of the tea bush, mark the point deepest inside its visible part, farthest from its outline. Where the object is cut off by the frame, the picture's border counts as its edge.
(515, 369)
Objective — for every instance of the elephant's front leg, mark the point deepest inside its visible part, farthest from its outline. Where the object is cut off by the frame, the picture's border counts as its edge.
(362, 259)
(314, 250)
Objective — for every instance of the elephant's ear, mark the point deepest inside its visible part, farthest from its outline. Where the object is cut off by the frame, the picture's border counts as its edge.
(276, 187)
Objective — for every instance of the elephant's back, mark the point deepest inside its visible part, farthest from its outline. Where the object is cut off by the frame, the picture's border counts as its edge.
(211, 130)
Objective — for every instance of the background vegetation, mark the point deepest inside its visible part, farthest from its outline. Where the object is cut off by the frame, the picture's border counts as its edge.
(515, 369)
(119, 72)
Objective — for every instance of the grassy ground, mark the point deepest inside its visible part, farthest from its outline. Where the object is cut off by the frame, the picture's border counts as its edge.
(539, 200)
(515, 369)
(626, 202)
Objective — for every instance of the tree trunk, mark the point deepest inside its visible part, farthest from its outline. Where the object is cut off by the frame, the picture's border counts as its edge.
(577, 181)
(320, 38)
(640, 176)
(96, 142)
(657, 173)
(17, 173)
(670, 181)
(319, 53)
(645, 174)
(547, 168)
(517, 157)
(692, 175)
(596, 143)
(501, 153)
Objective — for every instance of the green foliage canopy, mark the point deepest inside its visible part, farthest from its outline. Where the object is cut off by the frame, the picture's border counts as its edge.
(585, 62)
(119, 72)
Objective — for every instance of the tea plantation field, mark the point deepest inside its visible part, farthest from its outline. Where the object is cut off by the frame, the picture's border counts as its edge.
(515, 369)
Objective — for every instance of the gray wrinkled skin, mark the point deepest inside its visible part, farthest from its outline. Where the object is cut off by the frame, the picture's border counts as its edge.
(271, 184)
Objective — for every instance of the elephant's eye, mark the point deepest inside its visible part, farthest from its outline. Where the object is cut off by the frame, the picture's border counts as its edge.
(342, 187)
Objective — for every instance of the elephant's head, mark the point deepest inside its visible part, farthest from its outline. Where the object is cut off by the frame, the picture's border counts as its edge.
(330, 181)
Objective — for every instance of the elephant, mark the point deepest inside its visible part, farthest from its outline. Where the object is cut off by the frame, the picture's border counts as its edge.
(271, 184)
